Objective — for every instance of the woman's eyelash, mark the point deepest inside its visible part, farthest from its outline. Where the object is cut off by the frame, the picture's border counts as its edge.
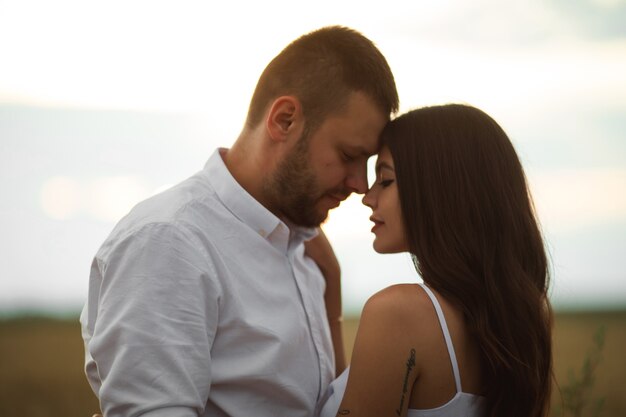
(385, 183)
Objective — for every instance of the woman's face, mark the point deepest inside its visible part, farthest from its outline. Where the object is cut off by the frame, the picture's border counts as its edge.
(383, 199)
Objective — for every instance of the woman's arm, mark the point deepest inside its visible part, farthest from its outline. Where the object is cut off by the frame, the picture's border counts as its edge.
(320, 250)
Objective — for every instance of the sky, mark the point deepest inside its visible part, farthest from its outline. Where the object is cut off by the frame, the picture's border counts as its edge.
(103, 104)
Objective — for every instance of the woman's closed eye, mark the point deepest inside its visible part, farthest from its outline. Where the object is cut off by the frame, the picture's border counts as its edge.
(385, 183)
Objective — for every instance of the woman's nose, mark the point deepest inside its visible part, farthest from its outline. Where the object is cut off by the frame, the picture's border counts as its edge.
(368, 198)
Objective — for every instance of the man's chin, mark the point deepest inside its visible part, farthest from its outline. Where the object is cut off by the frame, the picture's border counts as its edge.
(307, 219)
(312, 216)
(321, 212)
(316, 221)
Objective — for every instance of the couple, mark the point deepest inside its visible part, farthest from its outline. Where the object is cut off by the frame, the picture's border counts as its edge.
(203, 301)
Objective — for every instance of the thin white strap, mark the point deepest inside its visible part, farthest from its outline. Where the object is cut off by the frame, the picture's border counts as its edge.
(446, 335)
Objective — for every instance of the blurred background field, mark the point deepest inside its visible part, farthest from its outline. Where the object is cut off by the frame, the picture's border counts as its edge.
(41, 362)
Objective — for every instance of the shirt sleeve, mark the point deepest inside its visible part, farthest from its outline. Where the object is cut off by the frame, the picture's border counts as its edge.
(157, 312)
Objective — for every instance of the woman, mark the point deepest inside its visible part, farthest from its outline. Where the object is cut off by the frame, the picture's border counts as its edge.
(474, 340)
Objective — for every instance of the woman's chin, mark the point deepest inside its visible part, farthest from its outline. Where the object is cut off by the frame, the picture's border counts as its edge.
(381, 248)
(386, 248)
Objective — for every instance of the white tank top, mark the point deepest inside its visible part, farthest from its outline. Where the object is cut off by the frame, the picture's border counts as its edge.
(461, 405)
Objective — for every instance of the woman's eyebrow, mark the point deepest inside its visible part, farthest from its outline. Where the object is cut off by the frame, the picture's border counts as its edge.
(383, 165)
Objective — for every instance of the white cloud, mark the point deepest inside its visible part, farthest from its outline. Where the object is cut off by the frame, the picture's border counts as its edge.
(609, 4)
(110, 198)
(60, 197)
(568, 200)
(105, 199)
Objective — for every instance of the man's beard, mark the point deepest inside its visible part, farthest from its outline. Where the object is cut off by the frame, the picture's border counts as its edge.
(293, 190)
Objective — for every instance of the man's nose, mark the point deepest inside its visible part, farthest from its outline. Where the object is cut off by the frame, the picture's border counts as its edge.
(357, 179)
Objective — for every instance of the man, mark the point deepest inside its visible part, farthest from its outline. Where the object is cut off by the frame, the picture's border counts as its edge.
(201, 301)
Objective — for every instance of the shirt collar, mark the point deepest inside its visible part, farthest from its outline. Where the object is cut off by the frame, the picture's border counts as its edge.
(245, 207)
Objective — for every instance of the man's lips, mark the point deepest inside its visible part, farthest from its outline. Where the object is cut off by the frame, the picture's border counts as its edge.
(334, 199)
(337, 198)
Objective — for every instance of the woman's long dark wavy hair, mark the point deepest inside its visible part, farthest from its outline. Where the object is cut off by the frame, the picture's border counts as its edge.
(472, 231)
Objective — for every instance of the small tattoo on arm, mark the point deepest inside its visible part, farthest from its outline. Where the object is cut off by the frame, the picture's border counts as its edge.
(343, 412)
(410, 364)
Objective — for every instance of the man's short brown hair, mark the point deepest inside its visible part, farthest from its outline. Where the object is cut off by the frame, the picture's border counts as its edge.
(321, 69)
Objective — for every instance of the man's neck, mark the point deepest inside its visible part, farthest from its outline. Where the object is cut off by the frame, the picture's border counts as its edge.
(245, 163)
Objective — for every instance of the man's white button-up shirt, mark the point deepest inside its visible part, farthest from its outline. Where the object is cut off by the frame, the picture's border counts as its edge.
(201, 302)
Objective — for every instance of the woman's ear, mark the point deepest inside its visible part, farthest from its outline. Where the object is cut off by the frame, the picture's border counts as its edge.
(284, 118)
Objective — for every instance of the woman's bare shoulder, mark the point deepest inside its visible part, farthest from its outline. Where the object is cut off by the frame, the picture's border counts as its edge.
(403, 312)
(408, 301)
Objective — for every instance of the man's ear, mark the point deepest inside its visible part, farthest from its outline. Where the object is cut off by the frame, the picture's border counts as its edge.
(284, 118)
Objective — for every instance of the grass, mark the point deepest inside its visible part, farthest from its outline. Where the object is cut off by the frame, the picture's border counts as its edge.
(576, 395)
(590, 366)
(41, 366)
(41, 369)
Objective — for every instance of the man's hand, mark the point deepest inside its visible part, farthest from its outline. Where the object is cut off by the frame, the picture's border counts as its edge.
(320, 250)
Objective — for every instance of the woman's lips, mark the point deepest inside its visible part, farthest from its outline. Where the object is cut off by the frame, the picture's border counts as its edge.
(377, 223)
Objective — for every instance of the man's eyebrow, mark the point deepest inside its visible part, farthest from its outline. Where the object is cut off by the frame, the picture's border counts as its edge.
(361, 150)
